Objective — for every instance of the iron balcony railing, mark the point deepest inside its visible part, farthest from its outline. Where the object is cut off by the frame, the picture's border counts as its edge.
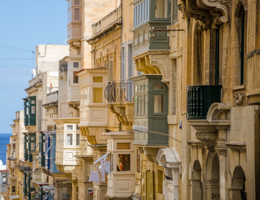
(199, 99)
(120, 92)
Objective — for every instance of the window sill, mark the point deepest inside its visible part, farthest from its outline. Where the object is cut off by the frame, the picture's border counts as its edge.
(237, 88)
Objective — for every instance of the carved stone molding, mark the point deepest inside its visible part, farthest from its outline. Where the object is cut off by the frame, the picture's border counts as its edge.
(210, 13)
(237, 146)
(196, 144)
(209, 139)
(239, 98)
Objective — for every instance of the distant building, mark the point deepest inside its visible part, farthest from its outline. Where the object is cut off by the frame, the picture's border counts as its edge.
(3, 181)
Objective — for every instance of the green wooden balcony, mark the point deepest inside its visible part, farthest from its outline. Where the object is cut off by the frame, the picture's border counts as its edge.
(199, 99)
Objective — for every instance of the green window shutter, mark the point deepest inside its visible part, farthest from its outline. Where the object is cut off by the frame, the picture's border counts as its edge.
(175, 11)
(25, 147)
(24, 184)
(42, 158)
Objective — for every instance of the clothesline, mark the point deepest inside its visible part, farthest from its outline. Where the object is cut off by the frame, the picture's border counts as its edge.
(103, 157)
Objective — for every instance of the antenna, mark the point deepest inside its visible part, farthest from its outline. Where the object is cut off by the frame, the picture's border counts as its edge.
(33, 71)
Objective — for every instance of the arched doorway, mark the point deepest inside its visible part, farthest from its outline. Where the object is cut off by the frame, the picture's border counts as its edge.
(238, 184)
(211, 182)
(215, 191)
(197, 189)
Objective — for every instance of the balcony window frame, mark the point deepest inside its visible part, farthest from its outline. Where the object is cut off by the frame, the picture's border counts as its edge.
(71, 143)
(96, 101)
(153, 18)
(141, 12)
(77, 139)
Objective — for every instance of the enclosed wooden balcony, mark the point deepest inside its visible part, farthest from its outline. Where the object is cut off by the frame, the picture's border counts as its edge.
(151, 15)
(120, 97)
(199, 99)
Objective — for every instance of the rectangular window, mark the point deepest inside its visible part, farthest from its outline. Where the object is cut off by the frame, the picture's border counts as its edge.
(78, 139)
(75, 79)
(130, 61)
(98, 79)
(138, 161)
(69, 127)
(135, 16)
(143, 12)
(140, 13)
(161, 8)
(32, 109)
(160, 181)
(97, 95)
(123, 64)
(76, 14)
(13, 188)
(76, 2)
(158, 103)
(75, 64)
(123, 162)
(69, 139)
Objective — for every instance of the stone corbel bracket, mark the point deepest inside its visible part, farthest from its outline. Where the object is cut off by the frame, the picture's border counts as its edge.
(208, 135)
(75, 45)
(239, 98)
(210, 13)
(218, 118)
(154, 63)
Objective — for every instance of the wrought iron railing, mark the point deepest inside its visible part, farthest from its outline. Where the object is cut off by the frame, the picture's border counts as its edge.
(119, 92)
(199, 99)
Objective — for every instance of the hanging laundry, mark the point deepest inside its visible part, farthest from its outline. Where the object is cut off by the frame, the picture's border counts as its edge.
(94, 176)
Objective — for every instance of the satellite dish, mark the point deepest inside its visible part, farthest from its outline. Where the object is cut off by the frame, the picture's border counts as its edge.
(33, 73)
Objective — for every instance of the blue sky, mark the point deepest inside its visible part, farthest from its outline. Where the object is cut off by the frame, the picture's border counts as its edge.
(25, 24)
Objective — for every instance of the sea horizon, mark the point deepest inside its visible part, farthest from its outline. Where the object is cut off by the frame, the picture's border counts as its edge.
(4, 140)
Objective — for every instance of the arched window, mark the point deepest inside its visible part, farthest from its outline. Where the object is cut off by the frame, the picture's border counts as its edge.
(241, 32)
(198, 56)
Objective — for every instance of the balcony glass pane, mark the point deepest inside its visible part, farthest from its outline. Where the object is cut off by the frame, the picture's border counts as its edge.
(161, 8)
(123, 162)
(32, 146)
(69, 139)
(76, 14)
(32, 109)
(158, 104)
(98, 79)
(78, 139)
(97, 95)
(147, 9)
(75, 64)
(69, 127)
